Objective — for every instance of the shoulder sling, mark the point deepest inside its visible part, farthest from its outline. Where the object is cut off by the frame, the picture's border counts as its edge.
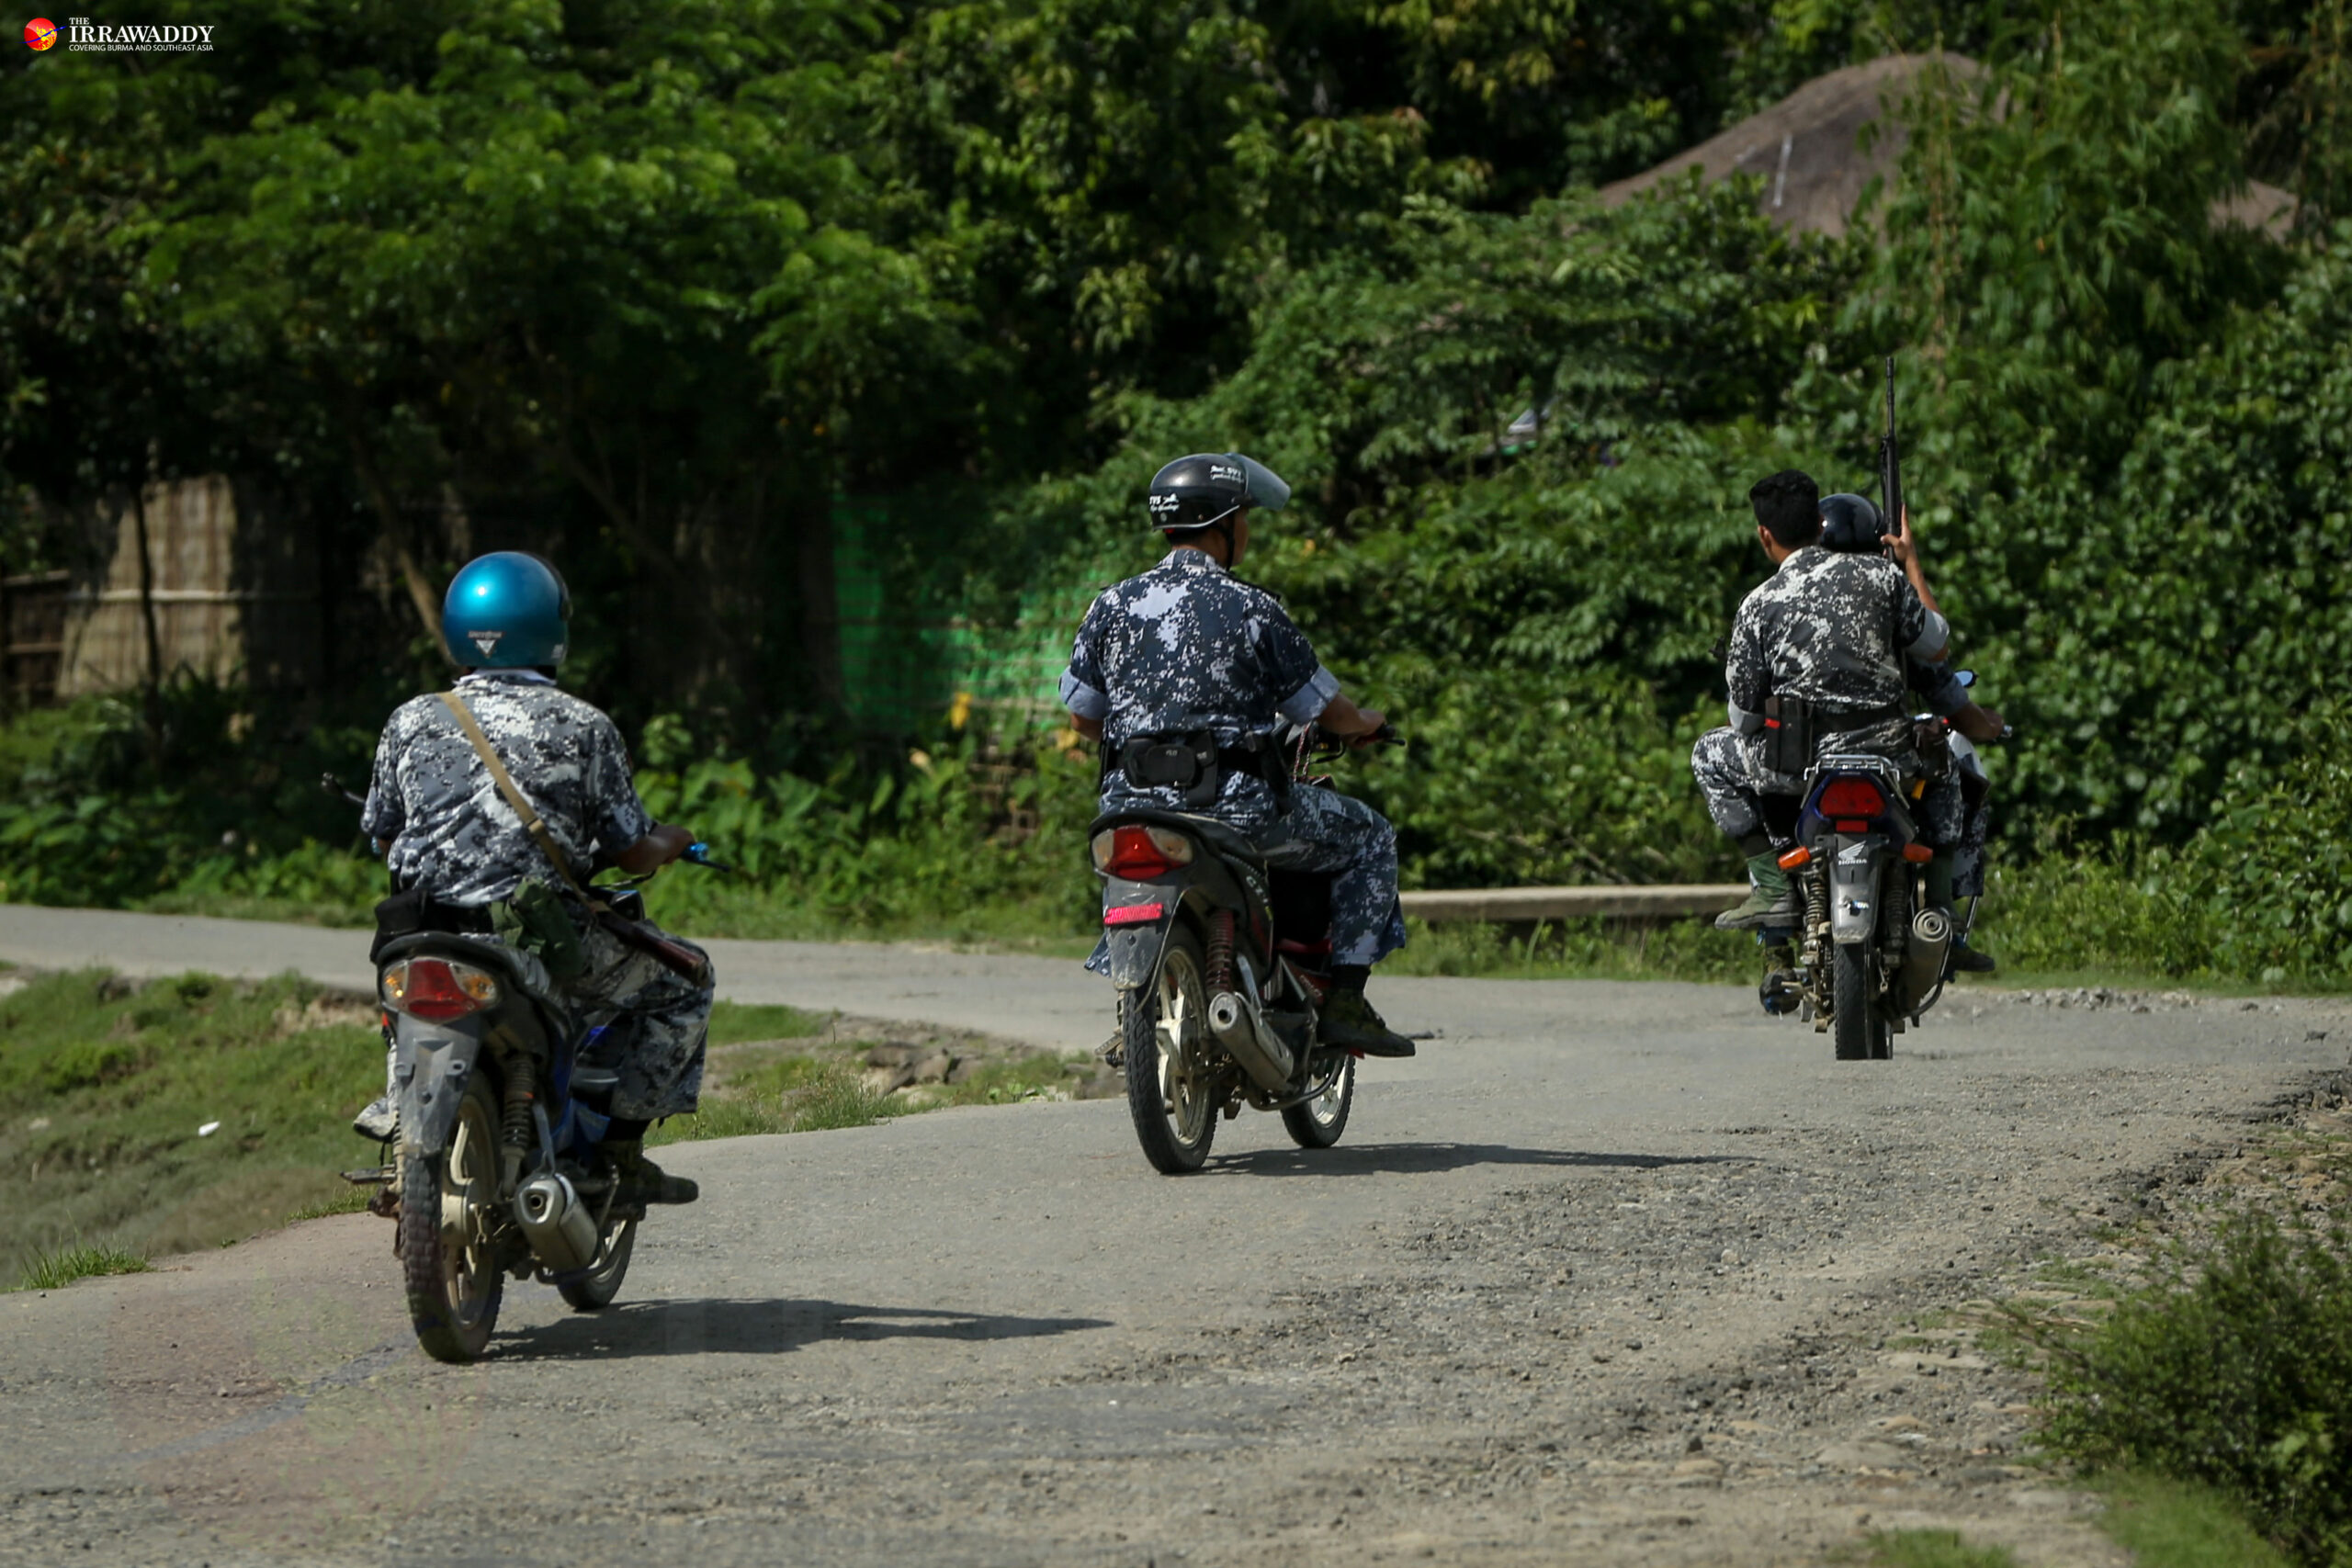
(671, 956)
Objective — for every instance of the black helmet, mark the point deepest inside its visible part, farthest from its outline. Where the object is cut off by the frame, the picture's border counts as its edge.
(1208, 487)
(1851, 523)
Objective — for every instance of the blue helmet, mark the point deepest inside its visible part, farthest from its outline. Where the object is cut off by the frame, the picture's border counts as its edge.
(506, 610)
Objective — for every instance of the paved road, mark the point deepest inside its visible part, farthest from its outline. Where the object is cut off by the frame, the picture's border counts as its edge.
(1606, 1275)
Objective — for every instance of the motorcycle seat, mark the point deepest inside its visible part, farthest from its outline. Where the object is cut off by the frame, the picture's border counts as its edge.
(1220, 836)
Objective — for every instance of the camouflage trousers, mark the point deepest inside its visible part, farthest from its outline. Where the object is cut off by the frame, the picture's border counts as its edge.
(1733, 779)
(1325, 831)
(657, 1043)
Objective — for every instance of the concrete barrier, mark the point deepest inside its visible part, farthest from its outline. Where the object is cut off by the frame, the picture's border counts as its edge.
(1571, 903)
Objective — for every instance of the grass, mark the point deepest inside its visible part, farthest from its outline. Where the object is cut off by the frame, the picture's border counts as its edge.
(1934, 1549)
(58, 1267)
(1593, 949)
(106, 1087)
(736, 1023)
(786, 1092)
(2169, 1524)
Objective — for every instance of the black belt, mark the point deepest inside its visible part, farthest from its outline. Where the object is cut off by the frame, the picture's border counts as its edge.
(1196, 764)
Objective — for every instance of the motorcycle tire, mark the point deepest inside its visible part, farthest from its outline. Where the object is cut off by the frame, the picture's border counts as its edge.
(1852, 1023)
(448, 1216)
(1174, 1101)
(594, 1291)
(1319, 1123)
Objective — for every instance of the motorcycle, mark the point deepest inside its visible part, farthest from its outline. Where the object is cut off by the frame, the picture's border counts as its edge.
(1875, 954)
(501, 1104)
(1221, 962)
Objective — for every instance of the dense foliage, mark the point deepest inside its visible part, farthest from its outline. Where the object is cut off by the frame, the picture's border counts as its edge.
(649, 286)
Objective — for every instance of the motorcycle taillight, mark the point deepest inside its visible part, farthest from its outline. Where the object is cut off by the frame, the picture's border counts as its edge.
(436, 989)
(1135, 853)
(1851, 797)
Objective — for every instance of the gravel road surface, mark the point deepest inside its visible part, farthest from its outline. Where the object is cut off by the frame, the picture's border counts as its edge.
(1610, 1273)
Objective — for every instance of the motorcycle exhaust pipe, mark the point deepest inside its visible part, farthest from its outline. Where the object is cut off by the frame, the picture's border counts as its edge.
(1923, 957)
(1247, 1038)
(562, 1231)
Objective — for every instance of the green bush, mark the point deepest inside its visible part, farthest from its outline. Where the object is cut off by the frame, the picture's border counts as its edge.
(2235, 1371)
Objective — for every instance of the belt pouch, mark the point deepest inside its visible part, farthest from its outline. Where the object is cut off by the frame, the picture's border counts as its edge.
(1788, 734)
(1187, 763)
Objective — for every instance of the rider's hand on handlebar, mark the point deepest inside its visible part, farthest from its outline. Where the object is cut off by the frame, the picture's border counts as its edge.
(1979, 723)
(656, 850)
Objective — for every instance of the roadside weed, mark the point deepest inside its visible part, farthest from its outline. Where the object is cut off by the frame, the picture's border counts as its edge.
(60, 1267)
(2232, 1370)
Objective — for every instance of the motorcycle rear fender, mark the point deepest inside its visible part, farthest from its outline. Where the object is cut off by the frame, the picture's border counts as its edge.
(1854, 862)
(431, 1063)
(1134, 949)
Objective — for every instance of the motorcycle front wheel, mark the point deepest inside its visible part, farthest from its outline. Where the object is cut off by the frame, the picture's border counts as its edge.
(449, 1257)
(1164, 1034)
(1318, 1123)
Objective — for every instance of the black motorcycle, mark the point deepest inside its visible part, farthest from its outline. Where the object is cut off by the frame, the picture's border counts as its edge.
(502, 1098)
(497, 1168)
(1221, 964)
(1872, 953)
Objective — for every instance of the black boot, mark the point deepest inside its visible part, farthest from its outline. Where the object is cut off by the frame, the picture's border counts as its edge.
(1966, 960)
(1348, 1020)
(643, 1181)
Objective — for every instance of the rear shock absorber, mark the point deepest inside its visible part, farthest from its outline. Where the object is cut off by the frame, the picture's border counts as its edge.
(516, 1132)
(1219, 978)
(1818, 957)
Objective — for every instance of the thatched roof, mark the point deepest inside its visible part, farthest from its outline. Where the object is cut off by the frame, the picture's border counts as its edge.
(1815, 161)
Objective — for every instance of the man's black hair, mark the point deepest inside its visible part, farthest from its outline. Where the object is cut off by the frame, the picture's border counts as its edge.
(1788, 505)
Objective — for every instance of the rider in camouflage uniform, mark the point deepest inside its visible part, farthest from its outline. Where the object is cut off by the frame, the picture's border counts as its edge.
(1188, 647)
(447, 829)
(1834, 629)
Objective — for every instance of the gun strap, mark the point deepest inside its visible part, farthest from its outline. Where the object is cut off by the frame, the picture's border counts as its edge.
(533, 823)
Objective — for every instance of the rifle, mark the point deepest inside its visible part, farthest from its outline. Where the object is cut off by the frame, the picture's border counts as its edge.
(1890, 463)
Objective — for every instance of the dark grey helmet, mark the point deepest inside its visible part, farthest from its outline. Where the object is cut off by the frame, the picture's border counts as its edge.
(1207, 488)
(1851, 523)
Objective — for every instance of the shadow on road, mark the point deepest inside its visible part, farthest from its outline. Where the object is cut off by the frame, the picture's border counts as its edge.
(1367, 1159)
(759, 1328)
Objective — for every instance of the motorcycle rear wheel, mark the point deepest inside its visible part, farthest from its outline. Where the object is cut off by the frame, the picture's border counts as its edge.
(448, 1254)
(1164, 1034)
(1851, 977)
(1319, 1123)
(595, 1290)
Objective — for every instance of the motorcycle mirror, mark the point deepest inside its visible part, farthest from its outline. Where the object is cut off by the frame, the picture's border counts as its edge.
(1965, 677)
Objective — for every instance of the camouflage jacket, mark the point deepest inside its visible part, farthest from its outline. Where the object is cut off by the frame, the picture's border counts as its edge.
(450, 828)
(1187, 646)
(1832, 629)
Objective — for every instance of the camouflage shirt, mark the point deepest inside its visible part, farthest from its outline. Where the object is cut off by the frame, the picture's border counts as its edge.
(1832, 629)
(1187, 646)
(449, 827)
